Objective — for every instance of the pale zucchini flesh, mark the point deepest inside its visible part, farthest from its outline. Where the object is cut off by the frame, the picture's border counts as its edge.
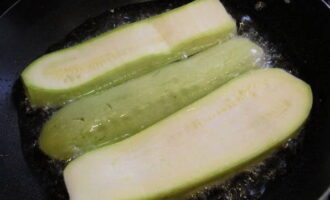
(126, 52)
(231, 126)
(122, 111)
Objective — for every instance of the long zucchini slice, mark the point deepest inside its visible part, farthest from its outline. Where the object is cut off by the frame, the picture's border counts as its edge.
(231, 126)
(130, 107)
(126, 52)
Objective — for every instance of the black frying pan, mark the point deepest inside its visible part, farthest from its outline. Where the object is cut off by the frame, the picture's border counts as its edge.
(299, 31)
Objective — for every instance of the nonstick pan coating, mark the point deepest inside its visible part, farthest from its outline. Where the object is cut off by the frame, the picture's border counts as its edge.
(300, 31)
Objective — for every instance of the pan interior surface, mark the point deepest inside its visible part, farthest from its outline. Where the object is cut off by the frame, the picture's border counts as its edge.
(294, 34)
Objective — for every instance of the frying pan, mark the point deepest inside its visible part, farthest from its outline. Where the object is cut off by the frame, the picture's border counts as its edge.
(298, 30)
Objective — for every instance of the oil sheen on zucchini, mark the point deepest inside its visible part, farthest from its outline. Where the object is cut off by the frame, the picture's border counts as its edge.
(124, 110)
(126, 52)
(228, 128)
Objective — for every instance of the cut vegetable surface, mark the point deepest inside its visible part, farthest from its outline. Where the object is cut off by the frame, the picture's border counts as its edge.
(231, 126)
(128, 108)
(126, 52)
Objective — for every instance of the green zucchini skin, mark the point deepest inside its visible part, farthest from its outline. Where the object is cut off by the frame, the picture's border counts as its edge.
(63, 76)
(122, 111)
(228, 129)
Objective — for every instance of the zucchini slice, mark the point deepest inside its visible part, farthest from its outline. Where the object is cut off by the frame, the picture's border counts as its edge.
(126, 52)
(228, 128)
(124, 110)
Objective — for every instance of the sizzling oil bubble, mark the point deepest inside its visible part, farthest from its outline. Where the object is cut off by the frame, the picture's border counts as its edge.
(259, 5)
(184, 56)
(248, 28)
